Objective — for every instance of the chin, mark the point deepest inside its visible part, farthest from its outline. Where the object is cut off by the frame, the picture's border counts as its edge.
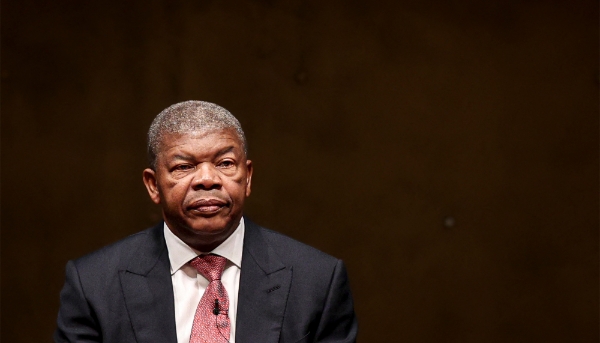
(209, 227)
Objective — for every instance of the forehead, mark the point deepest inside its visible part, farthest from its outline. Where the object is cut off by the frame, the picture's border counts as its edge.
(200, 141)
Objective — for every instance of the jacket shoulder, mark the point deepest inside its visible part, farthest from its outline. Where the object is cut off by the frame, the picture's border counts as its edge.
(115, 256)
(293, 252)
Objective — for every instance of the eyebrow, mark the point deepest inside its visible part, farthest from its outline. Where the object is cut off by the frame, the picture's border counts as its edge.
(183, 157)
(190, 157)
(224, 151)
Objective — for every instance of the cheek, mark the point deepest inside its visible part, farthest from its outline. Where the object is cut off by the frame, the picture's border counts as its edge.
(236, 188)
(173, 192)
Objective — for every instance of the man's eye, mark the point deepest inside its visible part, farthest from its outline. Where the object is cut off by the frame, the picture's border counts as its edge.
(183, 167)
(226, 164)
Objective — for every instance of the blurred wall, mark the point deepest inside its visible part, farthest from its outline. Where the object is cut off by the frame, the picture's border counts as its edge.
(446, 150)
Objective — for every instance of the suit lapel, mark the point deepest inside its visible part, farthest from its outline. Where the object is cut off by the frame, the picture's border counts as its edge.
(264, 288)
(148, 291)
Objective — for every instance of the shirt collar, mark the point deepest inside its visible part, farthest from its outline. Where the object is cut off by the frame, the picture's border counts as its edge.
(181, 253)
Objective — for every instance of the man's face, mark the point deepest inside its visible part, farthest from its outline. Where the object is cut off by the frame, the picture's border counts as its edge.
(201, 181)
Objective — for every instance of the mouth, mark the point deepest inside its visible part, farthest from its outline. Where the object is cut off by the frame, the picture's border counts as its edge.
(207, 206)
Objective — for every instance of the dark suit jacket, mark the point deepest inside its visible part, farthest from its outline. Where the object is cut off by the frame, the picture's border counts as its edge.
(289, 292)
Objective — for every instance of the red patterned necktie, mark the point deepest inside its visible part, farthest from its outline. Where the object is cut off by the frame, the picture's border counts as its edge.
(211, 322)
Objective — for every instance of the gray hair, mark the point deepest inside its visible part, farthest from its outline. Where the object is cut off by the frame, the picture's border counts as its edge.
(190, 116)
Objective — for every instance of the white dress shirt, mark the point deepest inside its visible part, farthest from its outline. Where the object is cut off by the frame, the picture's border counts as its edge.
(189, 285)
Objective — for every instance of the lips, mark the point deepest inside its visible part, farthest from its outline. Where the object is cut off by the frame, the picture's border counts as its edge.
(207, 206)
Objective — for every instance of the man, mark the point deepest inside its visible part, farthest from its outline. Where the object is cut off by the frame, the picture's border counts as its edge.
(206, 274)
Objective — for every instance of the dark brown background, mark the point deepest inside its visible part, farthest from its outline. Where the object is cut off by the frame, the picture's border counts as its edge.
(370, 124)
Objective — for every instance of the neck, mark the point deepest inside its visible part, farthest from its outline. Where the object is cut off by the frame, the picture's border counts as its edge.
(201, 240)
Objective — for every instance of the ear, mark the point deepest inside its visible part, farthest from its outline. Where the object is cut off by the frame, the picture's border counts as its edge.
(149, 177)
(248, 177)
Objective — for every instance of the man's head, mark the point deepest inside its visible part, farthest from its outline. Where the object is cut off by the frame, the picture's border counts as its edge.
(190, 116)
(199, 172)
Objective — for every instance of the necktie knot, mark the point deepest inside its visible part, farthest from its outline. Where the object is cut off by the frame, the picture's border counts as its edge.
(210, 266)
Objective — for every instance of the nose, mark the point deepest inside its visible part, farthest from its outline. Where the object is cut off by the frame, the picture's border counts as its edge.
(206, 178)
